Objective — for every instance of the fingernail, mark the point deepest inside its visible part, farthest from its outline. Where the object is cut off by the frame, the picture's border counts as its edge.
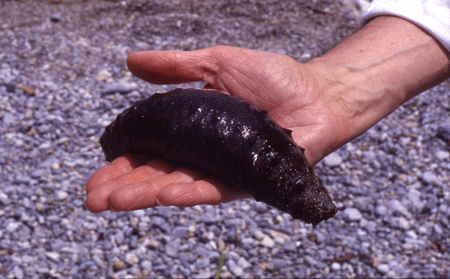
(159, 203)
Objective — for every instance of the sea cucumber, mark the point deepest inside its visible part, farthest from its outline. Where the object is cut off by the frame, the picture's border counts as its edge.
(225, 137)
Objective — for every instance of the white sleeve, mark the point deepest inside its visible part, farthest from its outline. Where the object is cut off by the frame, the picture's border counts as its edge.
(431, 15)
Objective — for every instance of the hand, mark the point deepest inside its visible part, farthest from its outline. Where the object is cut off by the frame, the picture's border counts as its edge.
(288, 90)
(325, 102)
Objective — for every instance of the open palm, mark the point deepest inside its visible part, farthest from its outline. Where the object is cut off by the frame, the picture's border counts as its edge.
(290, 91)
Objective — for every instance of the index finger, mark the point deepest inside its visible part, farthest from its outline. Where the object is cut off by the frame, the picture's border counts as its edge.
(113, 170)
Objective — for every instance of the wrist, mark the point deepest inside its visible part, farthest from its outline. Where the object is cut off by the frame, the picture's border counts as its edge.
(371, 73)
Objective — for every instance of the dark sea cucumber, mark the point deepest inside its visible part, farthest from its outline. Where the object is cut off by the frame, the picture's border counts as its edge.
(227, 138)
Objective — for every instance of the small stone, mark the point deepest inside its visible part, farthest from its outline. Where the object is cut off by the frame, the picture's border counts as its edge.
(180, 232)
(18, 272)
(306, 56)
(352, 214)
(381, 210)
(199, 264)
(414, 197)
(146, 265)
(119, 237)
(260, 207)
(429, 177)
(234, 268)
(290, 246)
(333, 160)
(53, 256)
(172, 250)
(267, 241)
(55, 18)
(38, 173)
(242, 262)
(61, 195)
(280, 263)
(395, 205)
(442, 155)
(118, 265)
(400, 223)
(383, 268)
(131, 259)
(335, 266)
(8, 118)
(118, 87)
(4, 199)
(411, 234)
(39, 207)
(103, 75)
(438, 229)
(12, 226)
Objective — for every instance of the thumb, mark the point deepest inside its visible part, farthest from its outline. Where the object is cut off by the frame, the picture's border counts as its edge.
(172, 66)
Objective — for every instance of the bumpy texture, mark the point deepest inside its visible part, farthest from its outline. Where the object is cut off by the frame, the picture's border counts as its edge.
(227, 138)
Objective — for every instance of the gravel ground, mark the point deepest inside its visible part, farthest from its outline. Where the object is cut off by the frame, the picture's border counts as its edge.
(63, 78)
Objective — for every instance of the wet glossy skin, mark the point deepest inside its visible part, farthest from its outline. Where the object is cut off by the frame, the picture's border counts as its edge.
(224, 137)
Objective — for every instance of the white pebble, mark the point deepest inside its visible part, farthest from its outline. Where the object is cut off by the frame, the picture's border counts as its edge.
(131, 258)
(61, 195)
(267, 241)
(352, 214)
(12, 227)
(383, 268)
(333, 160)
(4, 198)
(53, 256)
(335, 266)
(442, 155)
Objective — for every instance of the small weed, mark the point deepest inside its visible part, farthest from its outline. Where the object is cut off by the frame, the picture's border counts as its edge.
(220, 264)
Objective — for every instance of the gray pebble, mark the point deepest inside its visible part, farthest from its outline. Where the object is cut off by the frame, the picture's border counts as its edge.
(131, 259)
(280, 263)
(180, 232)
(260, 207)
(55, 18)
(430, 177)
(381, 210)
(118, 87)
(243, 263)
(8, 118)
(335, 266)
(4, 199)
(399, 223)
(184, 259)
(414, 197)
(39, 173)
(235, 269)
(442, 155)
(333, 160)
(290, 246)
(172, 249)
(119, 237)
(12, 226)
(352, 214)
(383, 268)
(202, 263)
(61, 195)
(18, 272)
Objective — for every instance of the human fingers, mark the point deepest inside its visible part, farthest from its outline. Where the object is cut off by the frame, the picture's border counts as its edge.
(99, 190)
(144, 194)
(197, 192)
(110, 171)
(171, 66)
